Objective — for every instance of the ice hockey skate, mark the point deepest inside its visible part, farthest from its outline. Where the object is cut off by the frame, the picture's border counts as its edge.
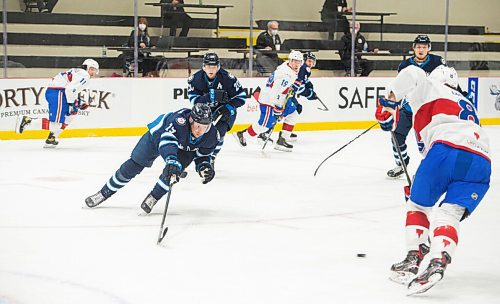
(241, 138)
(95, 199)
(293, 137)
(148, 203)
(282, 145)
(263, 137)
(406, 270)
(21, 123)
(431, 276)
(51, 141)
(396, 173)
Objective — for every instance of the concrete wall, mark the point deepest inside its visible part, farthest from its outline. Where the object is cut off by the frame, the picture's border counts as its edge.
(462, 12)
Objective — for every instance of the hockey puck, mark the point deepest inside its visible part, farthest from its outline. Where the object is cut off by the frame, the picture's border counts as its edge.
(361, 255)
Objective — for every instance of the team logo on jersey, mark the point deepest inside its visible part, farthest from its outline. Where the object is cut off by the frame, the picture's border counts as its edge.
(181, 121)
(474, 196)
(230, 75)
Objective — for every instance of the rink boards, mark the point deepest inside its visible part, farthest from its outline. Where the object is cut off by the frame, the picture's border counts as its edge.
(123, 106)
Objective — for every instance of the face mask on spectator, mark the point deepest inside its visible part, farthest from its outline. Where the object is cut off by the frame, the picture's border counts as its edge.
(142, 26)
(274, 32)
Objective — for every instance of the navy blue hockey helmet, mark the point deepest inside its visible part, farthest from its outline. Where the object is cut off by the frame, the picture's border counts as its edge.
(201, 114)
(211, 59)
(310, 55)
(422, 39)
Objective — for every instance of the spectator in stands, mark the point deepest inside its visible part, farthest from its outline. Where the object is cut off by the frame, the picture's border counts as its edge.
(174, 16)
(332, 13)
(46, 6)
(361, 65)
(147, 63)
(269, 41)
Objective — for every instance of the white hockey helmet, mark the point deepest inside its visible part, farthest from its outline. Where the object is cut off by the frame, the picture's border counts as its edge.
(91, 63)
(445, 75)
(295, 55)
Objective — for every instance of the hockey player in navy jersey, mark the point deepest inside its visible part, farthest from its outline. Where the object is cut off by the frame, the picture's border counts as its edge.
(62, 97)
(303, 85)
(221, 90)
(427, 62)
(179, 138)
(456, 166)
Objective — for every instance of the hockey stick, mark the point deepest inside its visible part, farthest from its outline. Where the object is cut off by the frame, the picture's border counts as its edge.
(315, 172)
(163, 232)
(403, 163)
(325, 109)
(268, 135)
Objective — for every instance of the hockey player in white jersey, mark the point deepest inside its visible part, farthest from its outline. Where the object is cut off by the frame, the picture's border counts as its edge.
(456, 163)
(62, 97)
(277, 102)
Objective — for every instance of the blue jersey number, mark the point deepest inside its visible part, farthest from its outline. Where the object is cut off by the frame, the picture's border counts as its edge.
(468, 111)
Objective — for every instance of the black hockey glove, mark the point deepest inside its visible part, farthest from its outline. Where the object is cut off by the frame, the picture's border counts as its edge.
(172, 171)
(299, 108)
(314, 96)
(221, 96)
(206, 172)
(226, 111)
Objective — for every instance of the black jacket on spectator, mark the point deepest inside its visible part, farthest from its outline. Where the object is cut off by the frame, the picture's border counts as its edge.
(330, 14)
(269, 61)
(362, 66)
(175, 16)
(264, 40)
(142, 38)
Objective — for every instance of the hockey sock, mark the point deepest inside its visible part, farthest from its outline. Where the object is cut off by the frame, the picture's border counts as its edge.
(417, 225)
(256, 129)
(122, 176)
(404, 154)
(447, 223)
(286, 131)
(218, 147)
(161, 188)
(250, 132)
(56, 128)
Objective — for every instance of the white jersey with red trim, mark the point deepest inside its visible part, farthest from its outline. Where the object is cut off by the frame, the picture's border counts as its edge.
(440, 113)
(277, 86)
(73, 81)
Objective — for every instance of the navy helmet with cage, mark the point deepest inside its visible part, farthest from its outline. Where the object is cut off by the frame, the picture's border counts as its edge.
(211, 59)
(422, 39)
(201, 114)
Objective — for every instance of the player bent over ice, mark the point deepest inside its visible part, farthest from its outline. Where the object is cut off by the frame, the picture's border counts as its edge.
(456, 151)
(179, 138)
(62, 96)
(277, 101)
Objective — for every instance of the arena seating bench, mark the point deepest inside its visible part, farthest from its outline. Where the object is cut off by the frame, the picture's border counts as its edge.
(318, 26)
(96, 20)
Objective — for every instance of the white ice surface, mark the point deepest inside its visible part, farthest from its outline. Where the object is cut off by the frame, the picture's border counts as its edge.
(264, 231)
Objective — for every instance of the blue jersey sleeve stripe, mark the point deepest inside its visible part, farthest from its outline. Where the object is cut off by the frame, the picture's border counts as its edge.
(168, 142)
(156, 124)
(163, 185)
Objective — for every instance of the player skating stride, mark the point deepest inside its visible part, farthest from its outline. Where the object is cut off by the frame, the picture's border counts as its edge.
(277, 101)
(62, 96)
(456, 163)
(179, 138)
